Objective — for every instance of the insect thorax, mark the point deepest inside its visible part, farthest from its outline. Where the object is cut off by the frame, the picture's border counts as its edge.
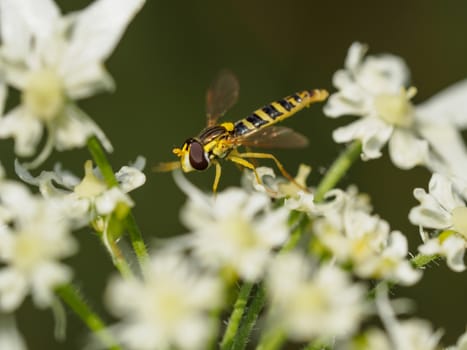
(217, 140)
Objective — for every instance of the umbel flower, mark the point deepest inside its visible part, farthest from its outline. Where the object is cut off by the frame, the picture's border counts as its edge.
(235, 231)
(375, 88)
(54, 60)
(34, 236)
(353, 235)
(170, 309)
(310, 301)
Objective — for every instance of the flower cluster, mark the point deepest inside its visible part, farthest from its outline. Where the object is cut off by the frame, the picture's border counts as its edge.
(34, 236)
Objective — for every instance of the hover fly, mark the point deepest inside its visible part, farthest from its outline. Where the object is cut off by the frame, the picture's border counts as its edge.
(221, 141)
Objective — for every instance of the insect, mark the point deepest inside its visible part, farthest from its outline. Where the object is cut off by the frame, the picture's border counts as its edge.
(220, 141)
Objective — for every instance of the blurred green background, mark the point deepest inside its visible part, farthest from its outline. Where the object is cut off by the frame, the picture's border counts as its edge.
(167, 59)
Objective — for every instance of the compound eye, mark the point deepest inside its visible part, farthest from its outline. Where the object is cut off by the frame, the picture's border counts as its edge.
(198, 160)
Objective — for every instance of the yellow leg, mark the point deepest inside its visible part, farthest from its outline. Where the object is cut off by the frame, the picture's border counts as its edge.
(244, 163)
(278, 164)
(217, 177)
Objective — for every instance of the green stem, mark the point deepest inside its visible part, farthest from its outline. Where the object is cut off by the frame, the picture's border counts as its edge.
(137, 241)
(250, 318)
(338, 170)
(117, 256)
(101, 161)
(271, 340)
(236, 316)
(298, 225)
(136, 237)
(75, 301)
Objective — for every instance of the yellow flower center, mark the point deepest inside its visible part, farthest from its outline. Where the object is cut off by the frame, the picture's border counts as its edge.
(44, 94)
(459, 220)
(396, 109)
(90, 186)
(29, 250)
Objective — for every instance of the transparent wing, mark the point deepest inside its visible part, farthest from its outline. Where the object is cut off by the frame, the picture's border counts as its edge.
(221, 95)
(274, 137)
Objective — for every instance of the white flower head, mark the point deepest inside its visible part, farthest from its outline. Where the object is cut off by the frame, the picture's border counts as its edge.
(374, 88)
(442, 209)
(234, 230)
(54, 60)
(34, 236)
(348, 230)
(85, 199)
(170, 309)
(311, 301)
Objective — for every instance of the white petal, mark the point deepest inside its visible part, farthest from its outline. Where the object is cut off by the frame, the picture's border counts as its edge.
(355, 55)
(97, 30)
(46, 278)
(425, 217)
(441, 189)
(454, 248)
(430, 247)
(87, 80)
(450, 149)
(406, 150)
(448, 106)
(16, 38)
(107, 202)
(372, 132)
(41, 16)
(24, 128)
(13, 289)
(383, 74)
(397, 244)
(74, 129)
(406, 274)
(130, 178)
(338, 104)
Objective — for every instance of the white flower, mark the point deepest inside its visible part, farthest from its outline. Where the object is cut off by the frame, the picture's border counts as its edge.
(374, 88)
(170, 309)
(309, 301)
(53, 61)
(86, 198)
(33, 237)
(352, 234)
(234, 230)
(442, 209)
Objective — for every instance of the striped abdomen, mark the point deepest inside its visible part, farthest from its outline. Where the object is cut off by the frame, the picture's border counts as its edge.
(278, 111)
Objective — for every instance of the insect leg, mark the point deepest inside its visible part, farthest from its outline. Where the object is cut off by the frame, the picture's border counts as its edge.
(278, 164)
(244, 163)
(217, 177)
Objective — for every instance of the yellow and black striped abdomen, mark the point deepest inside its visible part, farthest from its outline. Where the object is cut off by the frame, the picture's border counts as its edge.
(278, 111)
